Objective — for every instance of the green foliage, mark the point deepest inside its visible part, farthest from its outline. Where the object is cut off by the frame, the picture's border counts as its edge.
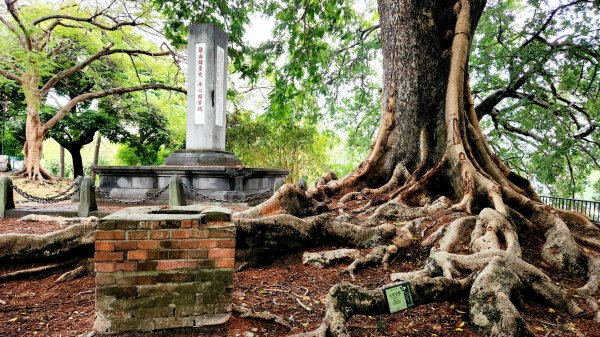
(132, 156)
(232, 16)
(82, 31)
(264, 143)
(546, 61)
(142, 133)
(596, 190)
(12, 129)
(54, 169)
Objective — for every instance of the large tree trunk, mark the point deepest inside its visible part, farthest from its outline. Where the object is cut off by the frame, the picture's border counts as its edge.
(413, 37)
(416, 38)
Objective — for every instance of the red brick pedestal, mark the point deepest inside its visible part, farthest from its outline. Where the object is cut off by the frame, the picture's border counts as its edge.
(160, 268)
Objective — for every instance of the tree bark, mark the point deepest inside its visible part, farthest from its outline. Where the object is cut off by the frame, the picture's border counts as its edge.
(61, 164)
(416, 38)
(75, 151)
(34, 129)
(96, 153)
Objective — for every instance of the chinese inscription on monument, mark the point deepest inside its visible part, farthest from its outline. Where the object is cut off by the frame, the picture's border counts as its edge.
(200, 80)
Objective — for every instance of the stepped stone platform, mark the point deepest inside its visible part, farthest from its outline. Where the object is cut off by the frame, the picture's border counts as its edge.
(219, 182)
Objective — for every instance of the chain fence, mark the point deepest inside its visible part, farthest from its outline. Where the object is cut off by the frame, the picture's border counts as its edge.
(249, 198)
(73, 189)
(61, 196)
(134, 202)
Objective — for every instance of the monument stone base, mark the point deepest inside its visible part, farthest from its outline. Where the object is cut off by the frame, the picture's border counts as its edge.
(202, 158)
(218, 182)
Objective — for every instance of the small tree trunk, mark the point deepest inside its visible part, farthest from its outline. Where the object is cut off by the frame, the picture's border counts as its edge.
(34, 137)
(96, 154)
(75, 152)
(61, 163)
(34, 129)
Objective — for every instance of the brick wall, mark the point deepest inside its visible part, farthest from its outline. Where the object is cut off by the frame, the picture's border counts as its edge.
(158, 271)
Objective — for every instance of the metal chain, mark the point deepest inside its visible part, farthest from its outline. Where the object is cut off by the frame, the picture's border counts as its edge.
(62, 196)
(247, 199)
(65, 195)
(75, 185)
(136, 202)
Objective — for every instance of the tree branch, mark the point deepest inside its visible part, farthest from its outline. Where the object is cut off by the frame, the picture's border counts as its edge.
(48, 33)
(590, 155)
(546, 105)
(571, 174)
(104, 52)
(549, 20)
(363, 36)
(8, 24)
(93, 95)
(10, 6)
(510, 128)
(13, 29)
(89, 20)
(486, 106)
(10, 76)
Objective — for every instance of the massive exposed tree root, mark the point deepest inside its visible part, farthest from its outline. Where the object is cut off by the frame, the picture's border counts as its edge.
(478, 255)
(475, 256)
(71, 247)
(345, 300)
(71, 241)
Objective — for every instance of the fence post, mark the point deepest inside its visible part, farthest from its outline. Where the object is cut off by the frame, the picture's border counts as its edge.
(176, 197)
(6, 196)
(87, 197)
(278, 183)
(302, 184)
(77, 183)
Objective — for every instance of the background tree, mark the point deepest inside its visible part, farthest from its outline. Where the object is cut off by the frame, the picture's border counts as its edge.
(261, 142)
(33, 47)
(145, 137)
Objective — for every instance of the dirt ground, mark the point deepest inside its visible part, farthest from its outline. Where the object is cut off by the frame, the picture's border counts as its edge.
(40, 307)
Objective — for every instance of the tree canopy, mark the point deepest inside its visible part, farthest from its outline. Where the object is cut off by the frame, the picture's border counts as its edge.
(533, 72)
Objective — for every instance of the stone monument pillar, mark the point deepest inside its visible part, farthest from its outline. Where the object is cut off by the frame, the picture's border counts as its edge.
(206, 100)
(204, 165)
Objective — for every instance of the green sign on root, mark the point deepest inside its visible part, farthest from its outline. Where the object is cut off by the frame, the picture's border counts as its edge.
(399, 297)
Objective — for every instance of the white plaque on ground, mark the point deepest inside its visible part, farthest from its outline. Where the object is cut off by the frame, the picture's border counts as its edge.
(200, 82)
(220, 88)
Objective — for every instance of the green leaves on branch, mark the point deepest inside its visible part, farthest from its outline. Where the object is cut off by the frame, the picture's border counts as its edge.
(264, 143)
(543, 65)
